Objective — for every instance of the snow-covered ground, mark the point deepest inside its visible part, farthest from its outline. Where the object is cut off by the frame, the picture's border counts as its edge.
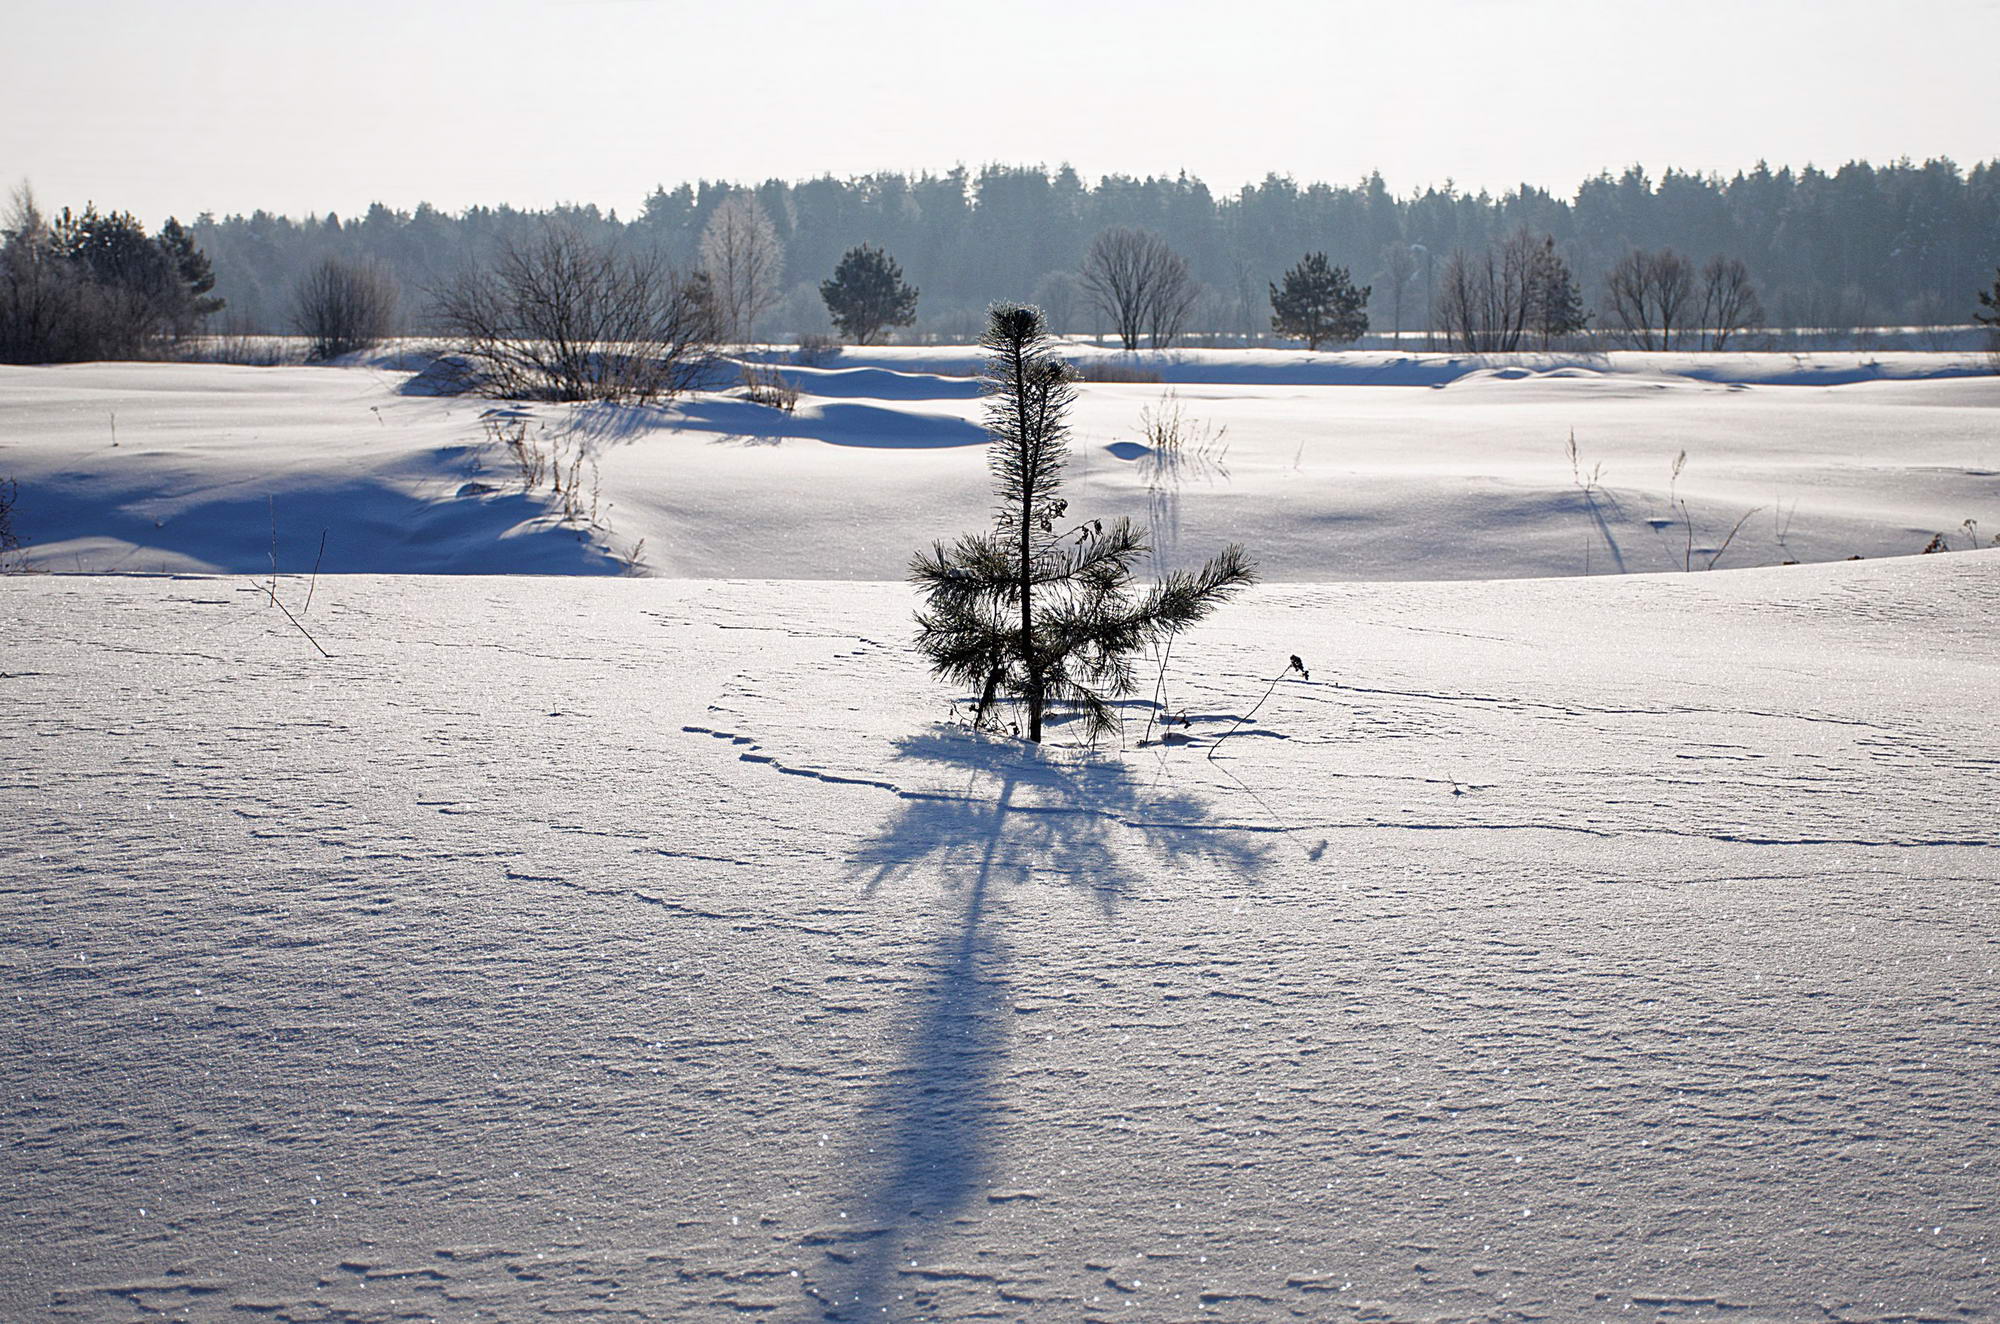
(1562, 949)
(1330, 466)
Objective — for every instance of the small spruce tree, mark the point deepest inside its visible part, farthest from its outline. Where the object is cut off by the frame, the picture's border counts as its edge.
(1990, 300)
(1555, 304)
(1030, 610)
(1319, 303)
(867, 295)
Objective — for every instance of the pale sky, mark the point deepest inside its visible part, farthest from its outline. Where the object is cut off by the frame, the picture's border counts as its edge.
(230, 105)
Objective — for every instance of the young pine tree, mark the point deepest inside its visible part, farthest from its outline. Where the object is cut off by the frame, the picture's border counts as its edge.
(1990, 300)
(1555, 304)
(1319, 302)
(867, 295)
(1030, 610)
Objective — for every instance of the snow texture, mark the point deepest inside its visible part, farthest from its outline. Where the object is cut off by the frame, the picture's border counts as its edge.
(1620, 948)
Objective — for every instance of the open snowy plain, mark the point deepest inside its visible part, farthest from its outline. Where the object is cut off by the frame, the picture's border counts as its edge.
(1619, 947)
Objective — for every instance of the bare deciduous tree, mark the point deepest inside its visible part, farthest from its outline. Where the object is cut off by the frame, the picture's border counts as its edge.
(1652, 297)
(1056, 295)
(745, 264)
(1485, 302)
(561, 318)
(1399, 268)
(1729, 303)
(344, 306)
(1142, 286)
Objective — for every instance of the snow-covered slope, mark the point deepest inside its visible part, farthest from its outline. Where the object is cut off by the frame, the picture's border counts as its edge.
(1616, 949)
(1331, 467)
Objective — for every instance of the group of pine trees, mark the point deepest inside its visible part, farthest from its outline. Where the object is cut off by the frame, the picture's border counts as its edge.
(94, 285)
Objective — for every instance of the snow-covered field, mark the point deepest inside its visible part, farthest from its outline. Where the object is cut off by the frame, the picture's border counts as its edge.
(1561, 949)
(1620, 948)
(1351, 466)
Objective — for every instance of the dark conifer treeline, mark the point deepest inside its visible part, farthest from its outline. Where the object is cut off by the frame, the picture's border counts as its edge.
(1901, 244)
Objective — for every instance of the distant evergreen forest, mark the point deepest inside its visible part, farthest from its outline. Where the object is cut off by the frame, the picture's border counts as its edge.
(1865, 245)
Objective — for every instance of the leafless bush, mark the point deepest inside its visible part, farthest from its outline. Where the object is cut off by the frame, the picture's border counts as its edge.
(341, 307)
(50, 312)
(768, 386)
(1140, 284)
(236, 343)
(1588, 482)
(568, 484)
(530, 461)
(1112, 371)
(561, 318)
(816, 351)
(1169, 430)
(560, 464)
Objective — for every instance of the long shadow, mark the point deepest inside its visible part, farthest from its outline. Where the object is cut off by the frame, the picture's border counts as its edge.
(372, 527)
(1166, 470)
(880, 384)
(998, 816)
(836, 423)
(1604, 525)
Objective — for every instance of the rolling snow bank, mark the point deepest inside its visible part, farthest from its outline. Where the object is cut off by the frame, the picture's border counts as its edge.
(1329, 466)
(1561, 949)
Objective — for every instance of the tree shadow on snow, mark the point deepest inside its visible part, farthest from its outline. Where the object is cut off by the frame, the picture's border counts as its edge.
(836, 423)
(1002, 817)
(370, 526)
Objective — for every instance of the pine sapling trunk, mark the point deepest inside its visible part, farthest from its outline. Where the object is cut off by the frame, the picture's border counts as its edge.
(1030, 664)
(994, 666)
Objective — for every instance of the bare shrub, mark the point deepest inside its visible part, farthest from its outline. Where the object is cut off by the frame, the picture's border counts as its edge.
(566, 479)
(1112, 371)
(235, 343)
(561, 318)
(341, 307)
(769, 387)
(561, 465)
(530, 461)
(816, 351)
(1173, 434)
